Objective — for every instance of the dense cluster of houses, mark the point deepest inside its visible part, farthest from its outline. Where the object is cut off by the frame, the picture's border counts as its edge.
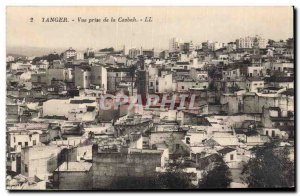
(59, 137)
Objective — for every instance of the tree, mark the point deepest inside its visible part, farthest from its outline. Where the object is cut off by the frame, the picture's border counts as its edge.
(218, 177)
(51, 57)
(36, 60)
(270, 168)
(271, 42)
(174, 180)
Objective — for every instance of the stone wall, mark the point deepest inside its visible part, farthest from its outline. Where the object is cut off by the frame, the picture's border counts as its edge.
(73, 180)
(109, 167)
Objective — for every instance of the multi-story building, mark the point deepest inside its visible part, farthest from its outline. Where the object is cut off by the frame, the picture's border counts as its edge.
(254, 84)
(99, 76)
(161, 84)
(79, 56)
(133, 53)
(248, 42)
(39, 161)
(85, 76)
(174, 44)
(70, 53)
(216, 45)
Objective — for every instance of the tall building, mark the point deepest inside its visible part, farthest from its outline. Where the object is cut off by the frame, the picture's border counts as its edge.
(164, 54)
(142, 84)
(79, 56)
(89, 52)
(99, 76)
(142, 81)
(149, 52)
(133, 53)
(248, 42)
(69, 53)
(83, 76)
(216, 45)
(186, 46)
(174, 44)
(91, 75)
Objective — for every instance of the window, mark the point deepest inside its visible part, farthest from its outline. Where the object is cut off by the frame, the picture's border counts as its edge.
(187, 140)
(151, 83)
(26, 144)
(267, 132)
(273, 133)
(20, 143)
(182, 87)
(33, 142)
(26, 168)
(231, 157)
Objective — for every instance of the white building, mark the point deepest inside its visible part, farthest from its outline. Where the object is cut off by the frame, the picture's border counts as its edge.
(79, 56)
(283, 67)
(70, 53)
(216, 45)
(229, 156)
(255, 71)
(39, 161)
(18, 139)
(9, 59)
(96, 75)
(174, 44)
(161, 84)
(248, 42)
(23, 138)
(76, 109)
(254, 84)
(187, 84)
(82, 77)
(133, 52)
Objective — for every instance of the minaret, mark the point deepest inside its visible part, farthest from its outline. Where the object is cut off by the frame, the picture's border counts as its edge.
(142, 81)
(256, 58)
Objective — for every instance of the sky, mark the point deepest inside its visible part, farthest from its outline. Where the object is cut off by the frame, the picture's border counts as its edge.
(195, 24)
